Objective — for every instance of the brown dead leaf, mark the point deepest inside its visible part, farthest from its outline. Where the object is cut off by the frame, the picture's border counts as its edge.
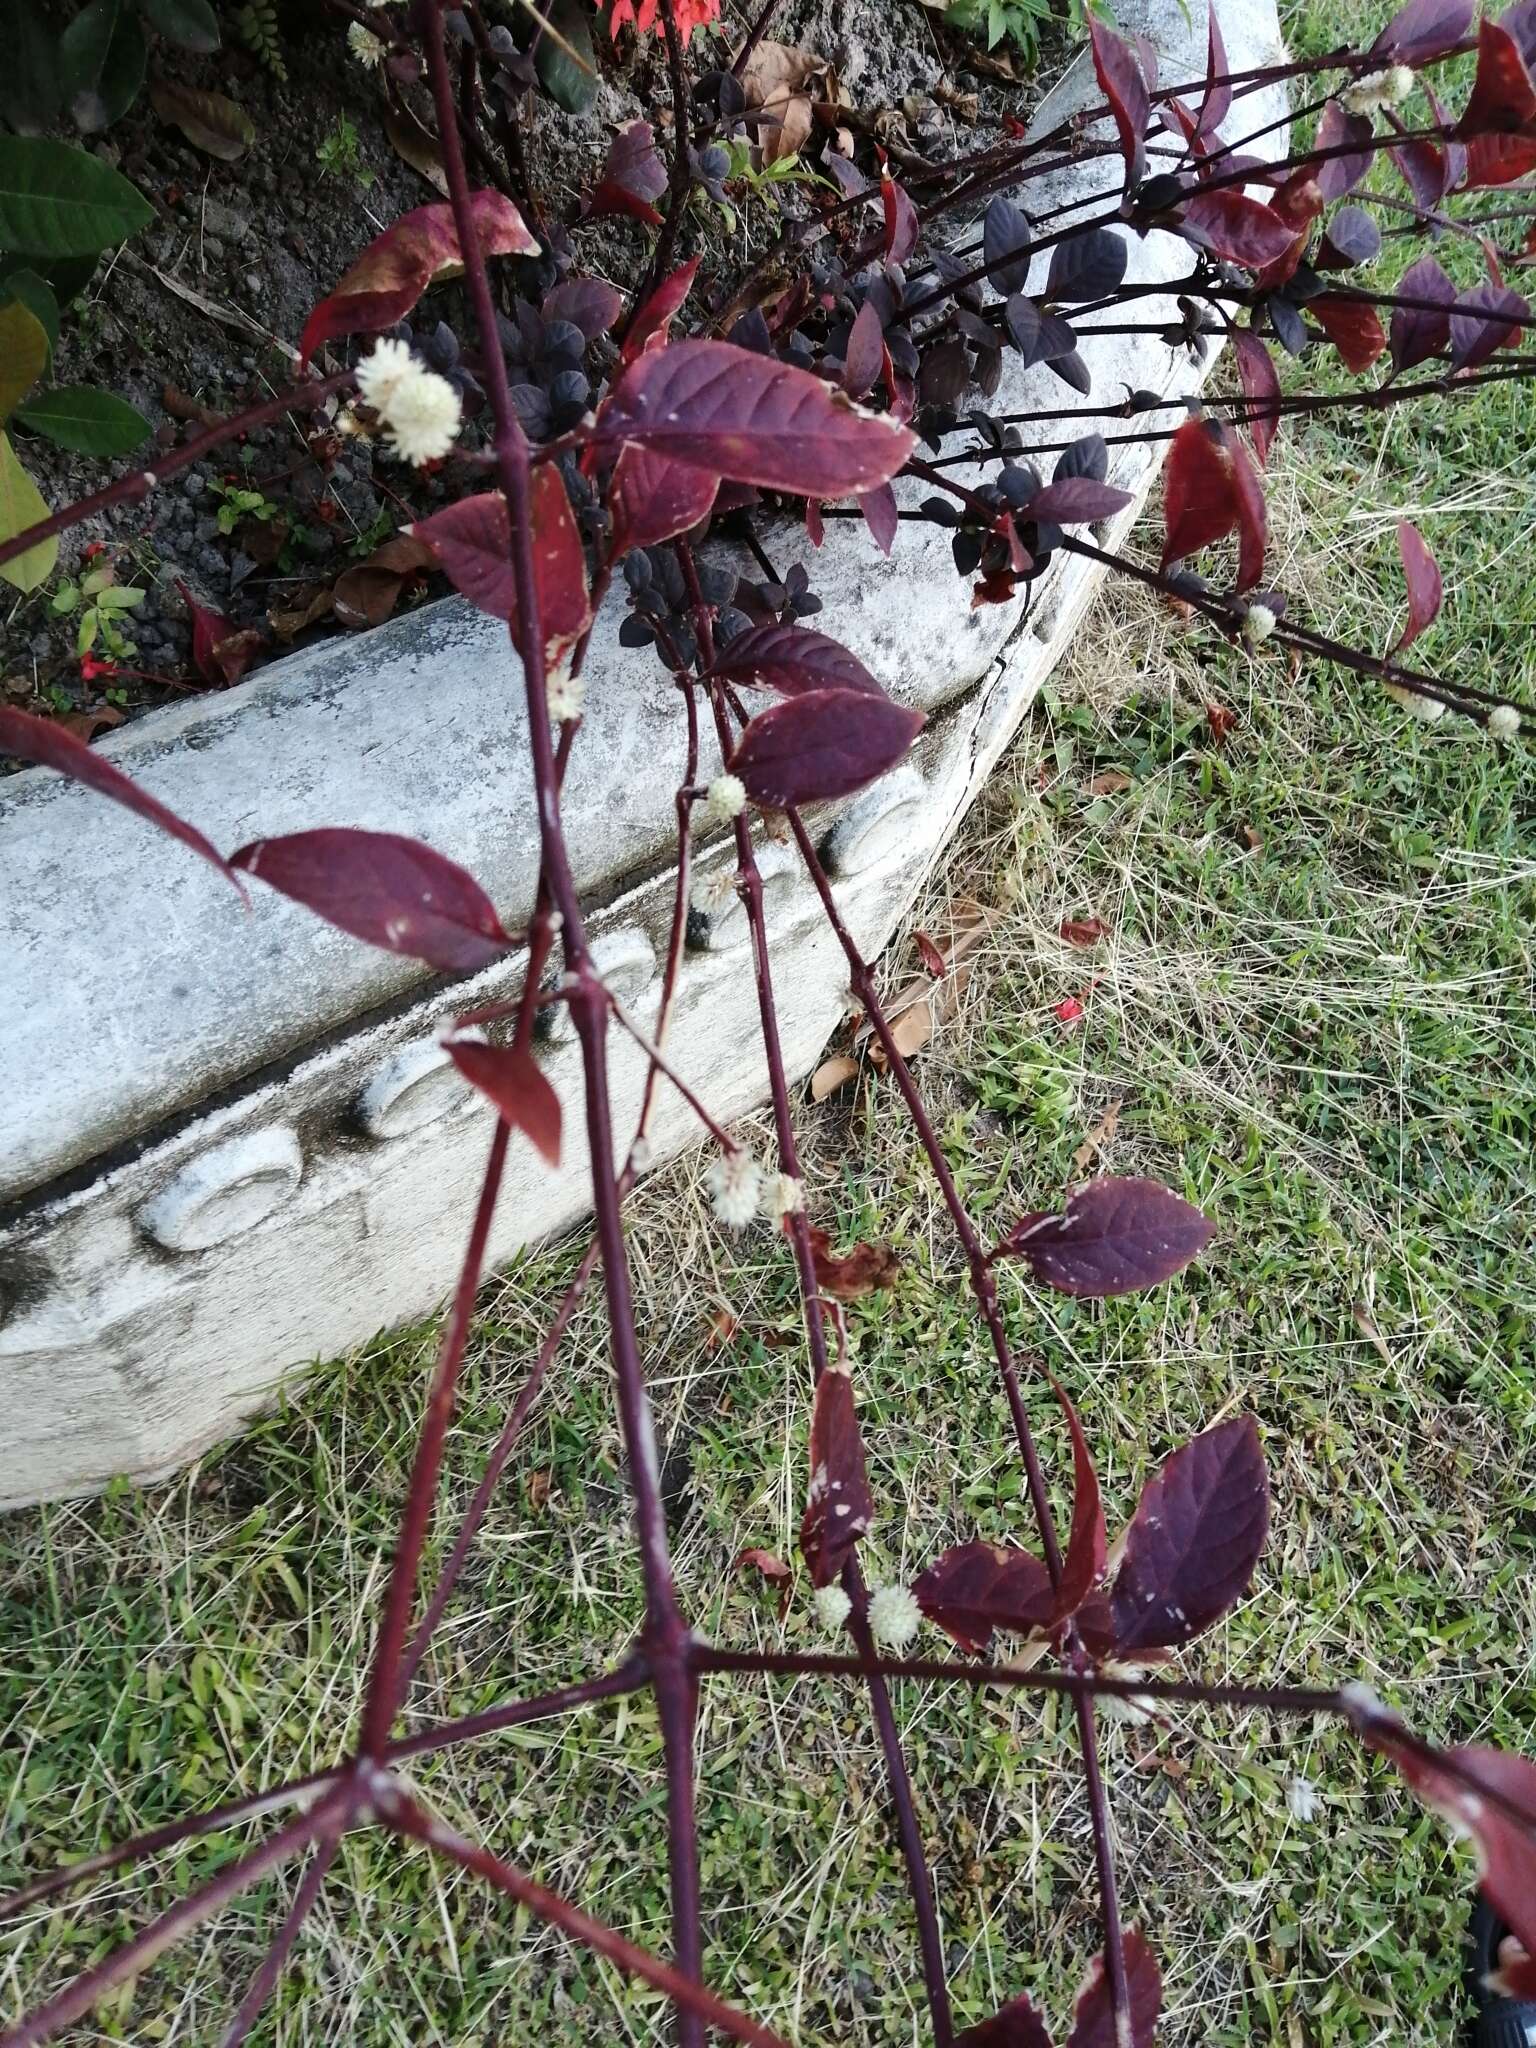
(416, 145)
(262, 539)
(1099, 1137)
(1083, 931)
(367, 593)
(933, 959)
(1251, 838)
(849, 1276)
(774, 82)
(309, 604)
(773, 1569)
(181, 406)
(722, 1328)
(539, 1483)
(210, 121)
(86, 724)
(1110, 783)
(1365, 1323)
(966, 105)
(832, 1075)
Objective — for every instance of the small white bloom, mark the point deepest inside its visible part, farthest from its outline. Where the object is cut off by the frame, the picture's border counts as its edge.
(350, 427)
(711, 893)
(1377, 89)
(640, 1154)
(1301, 1800)
(381, 372)
(783, 1196)
(894, 1617)
(1259, 624)
(1503, 722)
(733, 1182)
(727, 799)
(833, 1606)
(422, 417)
(365, 46)
(565, 695)
(1426, 709)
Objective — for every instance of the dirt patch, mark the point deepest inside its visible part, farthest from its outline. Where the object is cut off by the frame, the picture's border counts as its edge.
(194, 319)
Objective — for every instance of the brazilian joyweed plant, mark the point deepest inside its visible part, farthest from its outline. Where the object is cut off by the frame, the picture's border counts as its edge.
(618, 440)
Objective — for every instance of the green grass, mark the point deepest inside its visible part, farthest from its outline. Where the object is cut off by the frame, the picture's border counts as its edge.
(1327, 1039)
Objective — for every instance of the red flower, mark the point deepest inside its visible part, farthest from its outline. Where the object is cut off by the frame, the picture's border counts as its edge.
(91, 668)
(95, 548)
(688, 14)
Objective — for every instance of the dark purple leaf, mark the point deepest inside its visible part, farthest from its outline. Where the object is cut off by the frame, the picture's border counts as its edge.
(838, 1507)
(1337, 175)
(977, 1588)
(881, 516)
(1088, 456)
(1492, 160)
(1418, 334)
(1486, 1795)
(1425, 171)
(1236, 228)
(1023, 320)
(1210, 489)
(757, 422)
(792, 660)
(1015, 2025)
(1113, 1237)
(652, 499)
(1072, 370)
(823, 744)
(1125, 88)
(1087, 1543)
(1217, 100)
(48, 745)
(396, 893)
(587, 302)
(1005, 240)
(633, 176)
(1196, 1536)
(1074, 499)
(517, 1084)
(1086, 266)
(1094, 2022)
(1261, 387)
(945, 375)
(1482, 321)
(1421, 573)
(865, 355)
(1424, 29)
(1353, 238)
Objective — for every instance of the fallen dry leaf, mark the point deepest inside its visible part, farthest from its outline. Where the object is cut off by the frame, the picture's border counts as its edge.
(368, 592)
(1083, 931)
(1099, 1137)
(773, 1569)
(310, 604)
(849, 1276)
(86, 724)
(1365, 1323)
(539, 1483)
(833, 1074)
(1221, 721)
(1110, 783)
(933, 959)
(210, 121)
(415, 145)
(773, 81)
(181, 406)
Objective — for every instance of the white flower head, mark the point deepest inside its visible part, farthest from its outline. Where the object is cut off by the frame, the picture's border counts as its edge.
(565, 696)
(727, 799)
(381, 371)
(783, 1196)
(1301, 1800)
(833, 1606)
(1259, 625)
(365, 46)
(711, 893)
(1504, 722)
(1377, 89)
(894, 1617)
(1425, 709)
(422, 418)
(640, 1154)
(734, 1182)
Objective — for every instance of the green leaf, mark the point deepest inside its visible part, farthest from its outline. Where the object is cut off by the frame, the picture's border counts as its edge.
(66, 597)
(121, 597)
(562, 77)
(102, 56)
(36, 294)
(24, 349)
(58, 201)
(31, 90)
(191, 24)
(81, 417)
(21, 506)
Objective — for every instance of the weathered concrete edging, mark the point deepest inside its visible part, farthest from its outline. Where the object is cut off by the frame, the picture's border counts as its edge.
(230, 1145)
